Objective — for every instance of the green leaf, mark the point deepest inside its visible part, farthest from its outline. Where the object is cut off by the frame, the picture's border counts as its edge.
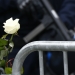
(3, 53)
(11, 44)
(8, 70)
(3, 42)
(2, 48)
(2, 63)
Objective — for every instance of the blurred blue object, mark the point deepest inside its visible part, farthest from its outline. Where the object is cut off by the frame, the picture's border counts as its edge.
(49, 54)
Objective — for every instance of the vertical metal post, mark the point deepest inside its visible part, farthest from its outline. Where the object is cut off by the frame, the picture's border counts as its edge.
(41, 63)
(65, 63)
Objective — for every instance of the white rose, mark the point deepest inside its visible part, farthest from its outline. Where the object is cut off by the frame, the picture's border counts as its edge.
(11, 26)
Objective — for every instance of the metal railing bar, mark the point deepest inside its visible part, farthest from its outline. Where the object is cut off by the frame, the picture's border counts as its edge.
(41, 63)
(42, 46)
(65, 59)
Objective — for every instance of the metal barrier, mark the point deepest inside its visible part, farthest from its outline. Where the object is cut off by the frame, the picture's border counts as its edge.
(42, 46)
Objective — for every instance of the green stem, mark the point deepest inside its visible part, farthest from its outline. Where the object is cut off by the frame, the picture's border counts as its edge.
(9, 47)
(6, 59)
(11, 38)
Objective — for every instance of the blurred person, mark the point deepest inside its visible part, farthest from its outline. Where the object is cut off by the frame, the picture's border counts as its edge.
(66, 12)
